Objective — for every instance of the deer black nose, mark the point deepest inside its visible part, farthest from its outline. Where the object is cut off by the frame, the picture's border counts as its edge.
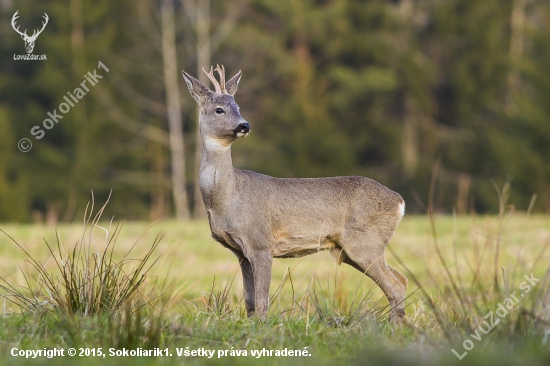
(244, 127)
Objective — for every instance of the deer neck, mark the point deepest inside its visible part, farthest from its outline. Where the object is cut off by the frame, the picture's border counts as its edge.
(217, 175)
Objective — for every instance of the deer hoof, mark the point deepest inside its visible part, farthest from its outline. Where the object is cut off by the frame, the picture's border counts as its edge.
(396, 316)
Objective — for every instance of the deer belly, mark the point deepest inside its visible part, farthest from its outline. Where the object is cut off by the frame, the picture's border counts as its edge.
(292, 246)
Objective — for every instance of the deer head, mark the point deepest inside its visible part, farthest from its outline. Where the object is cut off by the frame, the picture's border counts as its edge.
(220, 118)
(29, 41)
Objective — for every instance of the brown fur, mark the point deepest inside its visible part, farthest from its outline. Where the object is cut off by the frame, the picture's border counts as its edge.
(259, 217)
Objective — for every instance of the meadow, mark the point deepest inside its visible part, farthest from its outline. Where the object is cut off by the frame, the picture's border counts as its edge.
(464, 273)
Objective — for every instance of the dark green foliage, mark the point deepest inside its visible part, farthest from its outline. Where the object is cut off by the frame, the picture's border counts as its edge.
(336, 87)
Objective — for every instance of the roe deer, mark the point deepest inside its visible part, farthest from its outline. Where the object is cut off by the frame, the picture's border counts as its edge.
(259, 217)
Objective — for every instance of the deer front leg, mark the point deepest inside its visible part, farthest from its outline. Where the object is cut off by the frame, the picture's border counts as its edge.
(261, 268)
(248, 285)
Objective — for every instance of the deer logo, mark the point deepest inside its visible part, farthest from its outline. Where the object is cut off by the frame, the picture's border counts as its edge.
(29, 41)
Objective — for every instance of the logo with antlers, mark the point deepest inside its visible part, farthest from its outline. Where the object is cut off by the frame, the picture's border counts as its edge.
(29, 41)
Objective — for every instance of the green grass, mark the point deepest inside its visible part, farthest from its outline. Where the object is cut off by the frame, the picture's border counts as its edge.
(192, 297)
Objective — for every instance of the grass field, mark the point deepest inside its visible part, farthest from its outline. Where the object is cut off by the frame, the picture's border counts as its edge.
(460, 269)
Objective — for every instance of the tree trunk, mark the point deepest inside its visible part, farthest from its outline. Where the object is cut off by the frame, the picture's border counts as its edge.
(410, 144)
(516, 51)
(203, 59)
(462, 200)
(160, 200)
(80, 115)
(171, 78)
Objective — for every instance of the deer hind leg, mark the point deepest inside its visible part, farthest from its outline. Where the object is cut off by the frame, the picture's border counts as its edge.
(400, 276)
(365, 252)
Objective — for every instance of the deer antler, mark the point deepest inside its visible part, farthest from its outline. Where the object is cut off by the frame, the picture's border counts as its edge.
(13, 19)
(24, 34)
(221, 73)
(43, 26)
(212, 79)
(219, 86)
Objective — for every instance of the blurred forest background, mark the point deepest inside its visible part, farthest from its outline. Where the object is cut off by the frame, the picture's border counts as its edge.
(383, 89)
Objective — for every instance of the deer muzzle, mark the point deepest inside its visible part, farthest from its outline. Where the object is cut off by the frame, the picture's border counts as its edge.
(242, 129)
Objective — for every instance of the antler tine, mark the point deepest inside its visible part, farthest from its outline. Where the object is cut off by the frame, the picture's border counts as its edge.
(46, 18)
(213, 79)
(221, 72)
(13, 19)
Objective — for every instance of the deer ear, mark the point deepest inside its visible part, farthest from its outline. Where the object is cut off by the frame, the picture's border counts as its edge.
(231, 85)
(198, 90)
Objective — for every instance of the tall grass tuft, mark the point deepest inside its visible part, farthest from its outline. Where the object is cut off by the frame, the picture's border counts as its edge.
(83, 280)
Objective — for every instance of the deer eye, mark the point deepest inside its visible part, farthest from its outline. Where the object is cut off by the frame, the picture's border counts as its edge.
(219, 110)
